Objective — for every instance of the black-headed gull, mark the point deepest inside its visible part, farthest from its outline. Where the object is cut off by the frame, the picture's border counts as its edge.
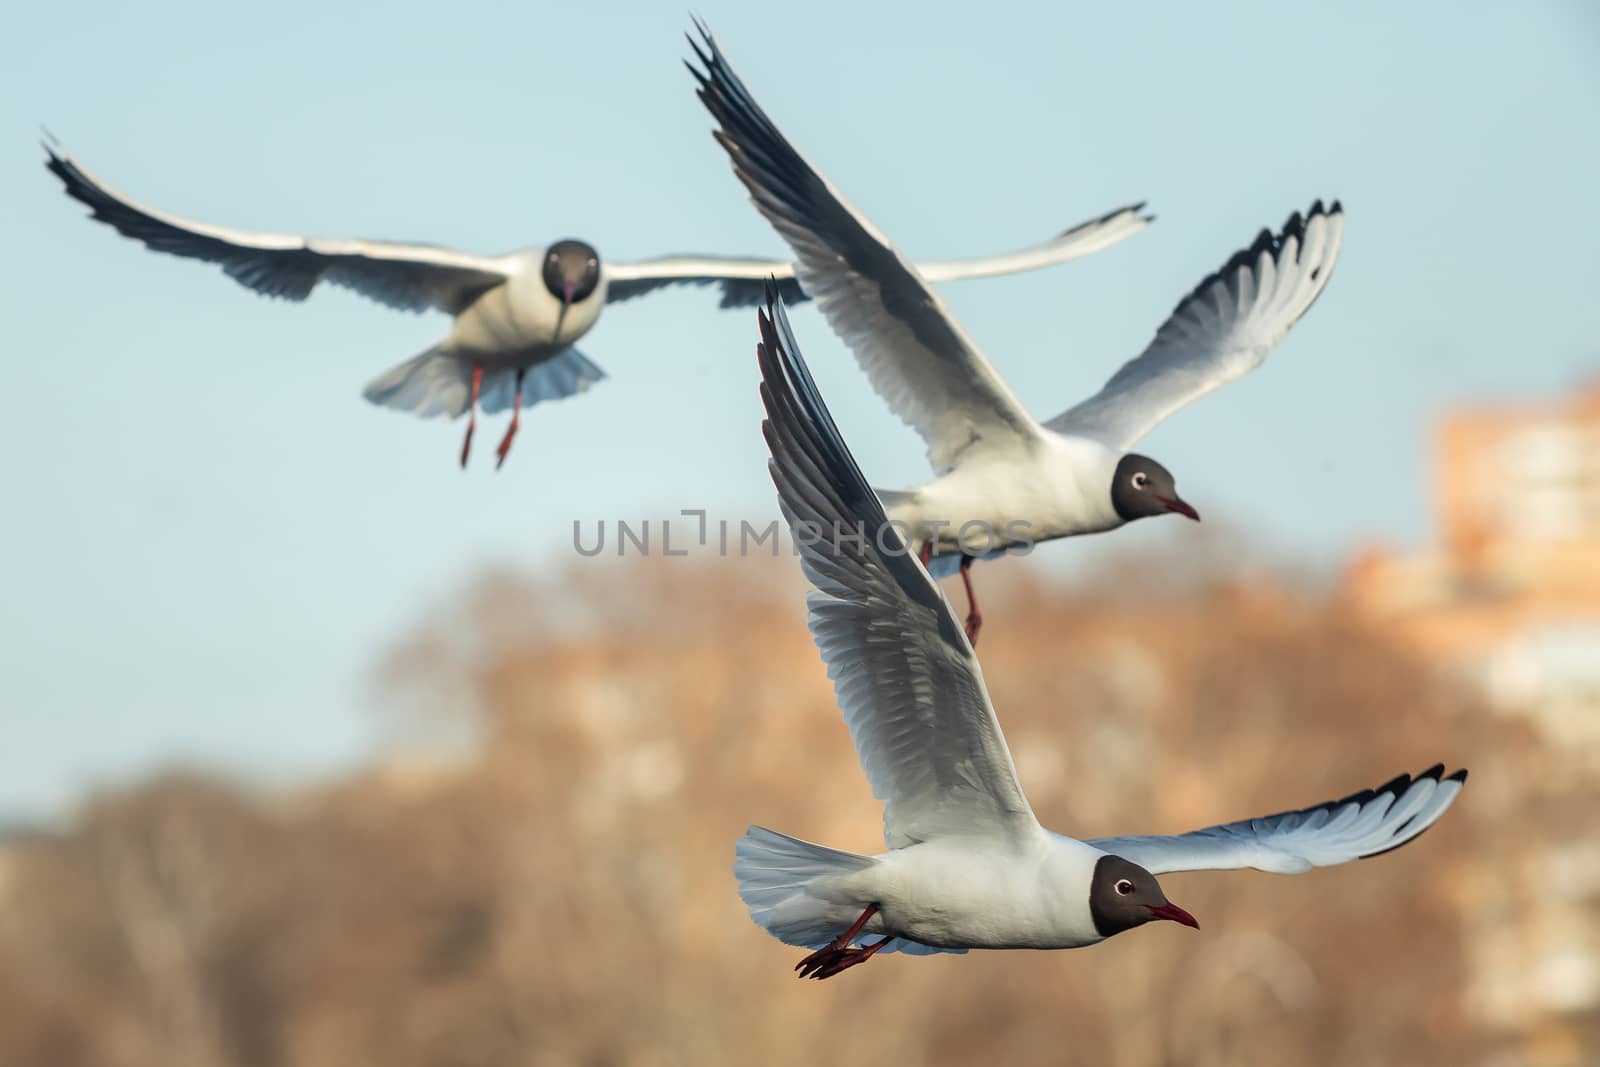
(968, 865)
(517, 316)
(1003, 480)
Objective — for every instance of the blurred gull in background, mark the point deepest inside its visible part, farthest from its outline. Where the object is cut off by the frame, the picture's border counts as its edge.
(517, 316)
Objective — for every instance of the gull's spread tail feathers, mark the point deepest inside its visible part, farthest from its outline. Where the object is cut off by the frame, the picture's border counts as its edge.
(438, 382)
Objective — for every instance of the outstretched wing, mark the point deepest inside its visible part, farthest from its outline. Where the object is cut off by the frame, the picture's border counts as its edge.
(915, 353)
(404, 276)
(743, 280)
(1366, 824)
(905, 674)
(1221, 331)
(1084, 239)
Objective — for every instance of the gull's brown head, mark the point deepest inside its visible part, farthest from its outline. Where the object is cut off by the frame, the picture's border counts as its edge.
(1142, 488)
(571, 271)
(1123, 895)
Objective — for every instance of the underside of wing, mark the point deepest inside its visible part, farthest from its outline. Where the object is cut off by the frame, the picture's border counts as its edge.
(1084, 239)
(743, 281)
(905, 674)
(913, 350)
(1220, 332)
(1365, 824)
(410, 277)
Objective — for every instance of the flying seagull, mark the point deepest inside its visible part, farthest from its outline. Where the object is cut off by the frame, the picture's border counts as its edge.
(1003, 480)
(517, 316)
(968, 865)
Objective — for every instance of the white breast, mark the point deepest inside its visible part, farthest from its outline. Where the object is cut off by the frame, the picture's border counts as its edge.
(515, 323)
(1062, 489)
(965, 893)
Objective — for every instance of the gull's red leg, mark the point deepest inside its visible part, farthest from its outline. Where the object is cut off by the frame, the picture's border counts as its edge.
(472, 413)
(511, 431)
(974, 616)
(834, 951)
(925, 553)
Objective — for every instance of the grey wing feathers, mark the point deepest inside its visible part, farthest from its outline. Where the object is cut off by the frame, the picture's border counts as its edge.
(744, 293)
(1365, 824)
(408, 277)
(1221, 331)
(1084, 239)
(905, 675)
(743, 281)
(286, 272)
(902, 333)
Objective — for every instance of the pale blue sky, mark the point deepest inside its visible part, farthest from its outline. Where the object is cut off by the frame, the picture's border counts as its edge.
(212, 539)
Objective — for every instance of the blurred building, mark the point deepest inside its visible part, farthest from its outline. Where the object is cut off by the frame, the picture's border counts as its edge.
(1508, 602)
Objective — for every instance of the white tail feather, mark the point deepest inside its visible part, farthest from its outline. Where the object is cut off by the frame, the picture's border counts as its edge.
(434, 383)
(438, 382)
(776, 873)
(566, 375)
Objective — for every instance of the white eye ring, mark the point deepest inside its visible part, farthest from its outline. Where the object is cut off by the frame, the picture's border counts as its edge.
(1123, 886)
(593, 261)
(1140, 480)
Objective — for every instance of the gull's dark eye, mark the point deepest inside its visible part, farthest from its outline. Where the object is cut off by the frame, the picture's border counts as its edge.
(1141, 480)
(1123, 886)
(593, 262)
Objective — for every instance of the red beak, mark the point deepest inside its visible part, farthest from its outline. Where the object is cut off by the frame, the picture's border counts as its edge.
(1174, 913)
(1174, 504)
(570, 286)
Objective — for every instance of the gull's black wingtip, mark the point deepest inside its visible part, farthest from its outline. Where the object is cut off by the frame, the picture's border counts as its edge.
(701, 77)
(1396, 785)
(1395, 848)
(54, 150)
(700, 47)
(57, 162)
(1333, 210)
(1434, 772)
(1132, 210)
(704, 31)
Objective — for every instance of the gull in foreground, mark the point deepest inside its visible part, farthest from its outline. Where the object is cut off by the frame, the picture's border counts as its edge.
(968, 865)
(1004, 481)
(517, 316)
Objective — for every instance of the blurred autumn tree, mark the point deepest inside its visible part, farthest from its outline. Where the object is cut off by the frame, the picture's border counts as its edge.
(563, 893)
